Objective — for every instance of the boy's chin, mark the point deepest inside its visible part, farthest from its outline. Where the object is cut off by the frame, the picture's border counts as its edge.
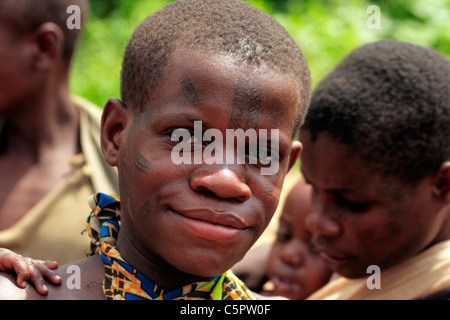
(206, 268)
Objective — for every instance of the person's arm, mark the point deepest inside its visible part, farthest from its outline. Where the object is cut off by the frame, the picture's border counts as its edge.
(29, 270)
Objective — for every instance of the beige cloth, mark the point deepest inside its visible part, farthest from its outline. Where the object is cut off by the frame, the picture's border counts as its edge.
(418, 277)
(52, 229)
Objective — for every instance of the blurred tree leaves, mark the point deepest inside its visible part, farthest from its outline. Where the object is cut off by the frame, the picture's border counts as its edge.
(326, 30)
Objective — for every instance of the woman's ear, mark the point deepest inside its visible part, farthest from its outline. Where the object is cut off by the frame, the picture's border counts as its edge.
(296, 149)
(114, 122)
(442, 182)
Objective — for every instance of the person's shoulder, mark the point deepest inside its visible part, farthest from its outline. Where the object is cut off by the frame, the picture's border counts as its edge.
(81, 280)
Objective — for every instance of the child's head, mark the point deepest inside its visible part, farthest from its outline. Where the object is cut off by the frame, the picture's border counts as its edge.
(232, 29)
(294, 266)
(36, 46)
(200, 219)
(377, 153)
(389, 100)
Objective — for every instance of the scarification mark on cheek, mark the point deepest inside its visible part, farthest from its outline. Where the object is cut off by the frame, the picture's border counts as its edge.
(142, 164)
(145, 209)
(247, 100)
(189, 90)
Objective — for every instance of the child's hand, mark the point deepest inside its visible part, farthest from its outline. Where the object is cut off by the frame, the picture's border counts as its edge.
(27, 269)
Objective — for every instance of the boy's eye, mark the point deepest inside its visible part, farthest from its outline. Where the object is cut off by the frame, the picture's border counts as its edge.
(184, 135)
(178, 134)
(195, 140)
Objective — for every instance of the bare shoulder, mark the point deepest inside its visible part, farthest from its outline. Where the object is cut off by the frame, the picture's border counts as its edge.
(81, 280)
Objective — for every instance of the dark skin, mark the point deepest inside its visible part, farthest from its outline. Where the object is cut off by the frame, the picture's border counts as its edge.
(213, 213)
(231, 189)
(245, 105)
(40, 132)
(362, 218)
(189, 90)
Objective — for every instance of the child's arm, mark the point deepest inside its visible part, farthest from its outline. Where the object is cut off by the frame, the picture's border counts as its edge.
(29, 270)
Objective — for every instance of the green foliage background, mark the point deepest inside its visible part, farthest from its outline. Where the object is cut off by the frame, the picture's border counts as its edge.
(326, 30)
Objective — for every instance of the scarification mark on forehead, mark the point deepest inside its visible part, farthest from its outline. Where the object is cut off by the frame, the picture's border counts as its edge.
(189, 90)
(247, 100)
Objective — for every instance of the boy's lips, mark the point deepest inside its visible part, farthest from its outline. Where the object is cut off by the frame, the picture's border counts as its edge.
(210, 224)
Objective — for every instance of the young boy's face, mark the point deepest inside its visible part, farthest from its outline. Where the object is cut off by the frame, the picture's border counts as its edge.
(294, 265)
(361, 218)
(201, 219)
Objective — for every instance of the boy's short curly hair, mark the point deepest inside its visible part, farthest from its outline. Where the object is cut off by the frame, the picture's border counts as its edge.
(389, 101)
(226, 27)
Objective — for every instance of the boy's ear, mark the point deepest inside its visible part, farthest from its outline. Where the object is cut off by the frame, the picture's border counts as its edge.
(442, 182)
(296, 149)
(114, 121)
(48, 45)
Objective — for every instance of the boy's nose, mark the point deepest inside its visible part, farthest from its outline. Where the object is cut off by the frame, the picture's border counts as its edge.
(222, 181)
